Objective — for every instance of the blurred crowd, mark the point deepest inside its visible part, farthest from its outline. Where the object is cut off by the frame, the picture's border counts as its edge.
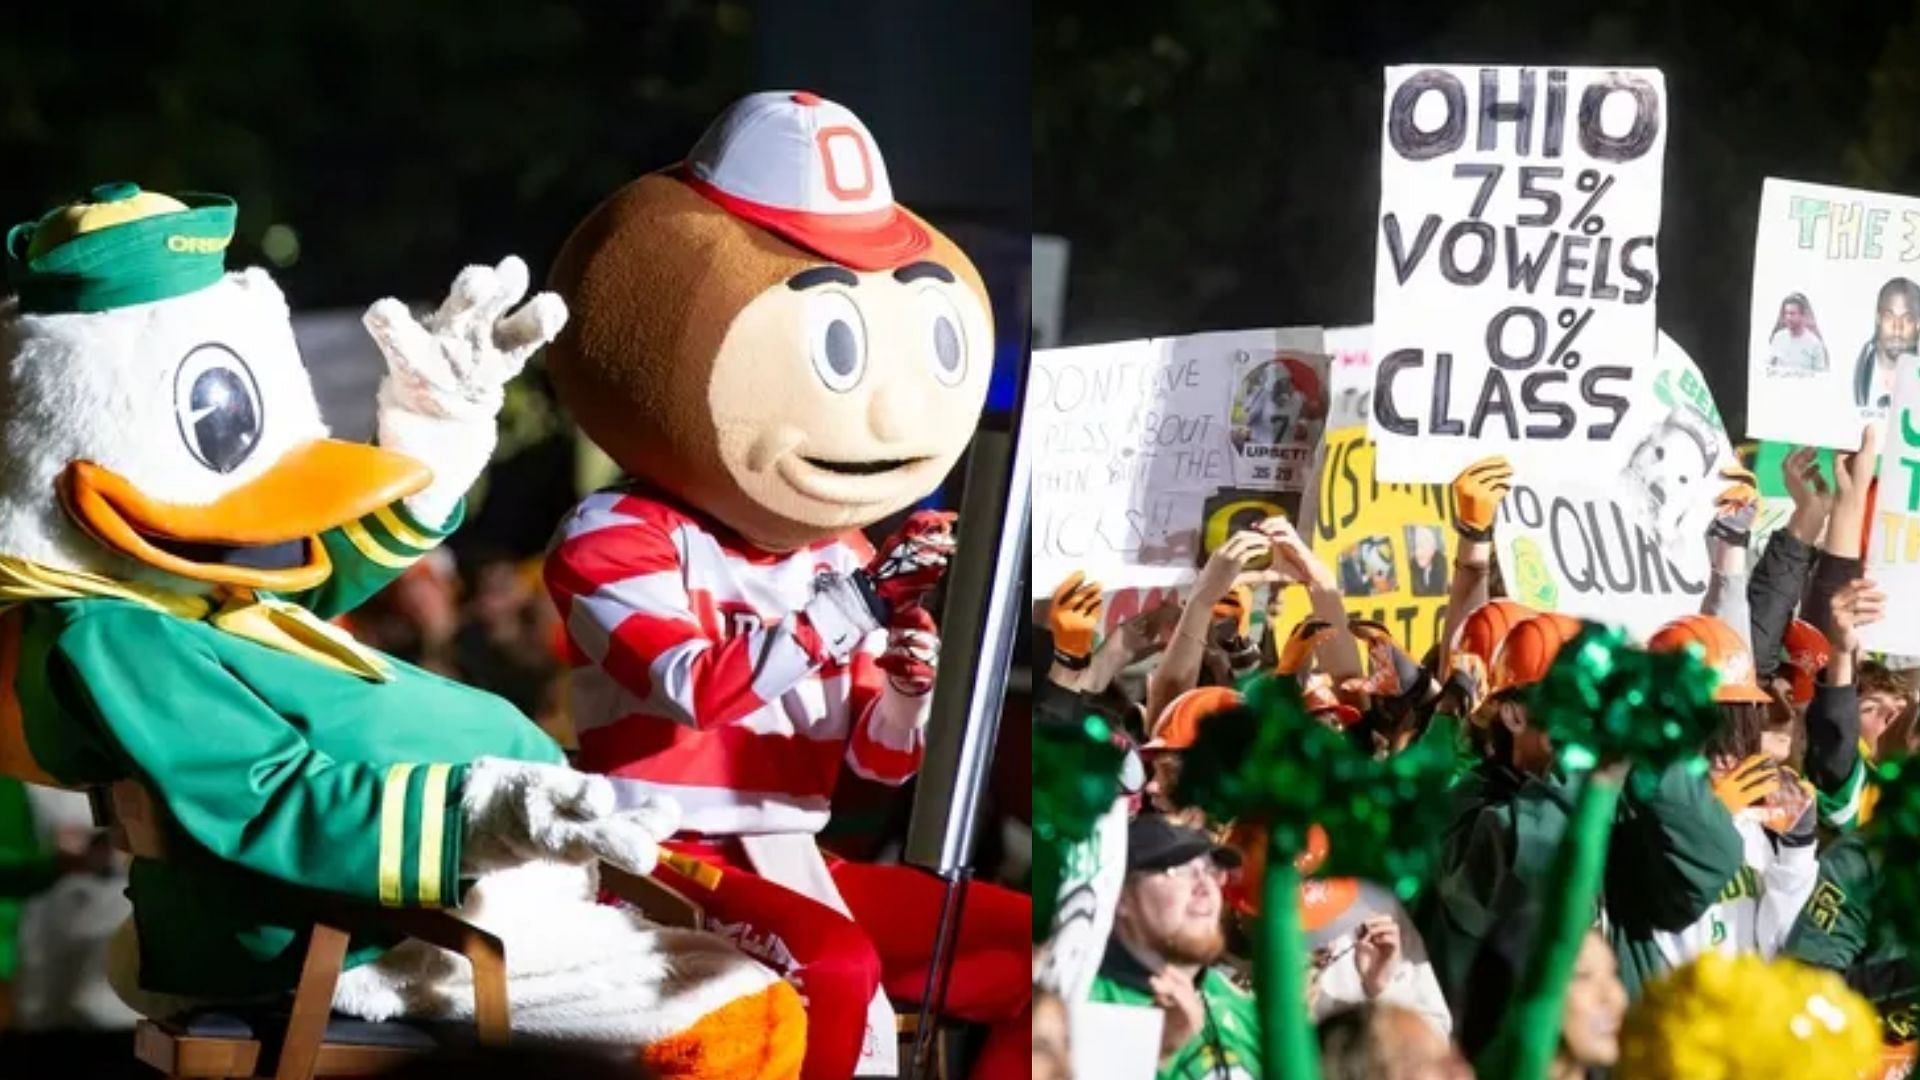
(1748, 851)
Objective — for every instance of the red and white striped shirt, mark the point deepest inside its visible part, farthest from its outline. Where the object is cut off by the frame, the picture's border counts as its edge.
(696, 673)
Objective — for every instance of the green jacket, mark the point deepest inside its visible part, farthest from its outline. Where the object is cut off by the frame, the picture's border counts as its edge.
(1835, 930)
(1227, 1047)
(277, 771)
(1672, 850)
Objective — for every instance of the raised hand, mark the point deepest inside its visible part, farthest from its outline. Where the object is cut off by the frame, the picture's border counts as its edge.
(1148, 632)
(1812, 495)
(1185, 1013)
(1477, 494)
(1376, 953)
(1733, 511)
(1853, 471)
(457, 362)
(447, 375)
(1294, 561)
(1074, 618)
(1226, 564)
(1858, 603)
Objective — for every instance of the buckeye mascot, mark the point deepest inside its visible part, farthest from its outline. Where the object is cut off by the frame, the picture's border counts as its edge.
(778, 355)
(175, 524)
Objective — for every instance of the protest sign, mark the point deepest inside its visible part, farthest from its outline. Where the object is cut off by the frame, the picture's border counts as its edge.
(1629, 550)
(1516, 269)
(1350, 383)
(1677, 446)
(1389, 545)
(1135, 437)
(1576, 550)
(1274, 421)
(1893, 545)
(1835, 305)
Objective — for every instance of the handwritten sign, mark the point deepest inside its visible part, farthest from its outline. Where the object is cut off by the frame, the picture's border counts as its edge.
(1836, 304)
(1390, 545)
(1893, 546)
(1134, 437)
(1578, 551)
(1350, 383)
(1516, 267)
(1629, 550)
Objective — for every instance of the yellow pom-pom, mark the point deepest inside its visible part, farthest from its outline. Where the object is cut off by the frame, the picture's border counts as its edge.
(1722, 1017)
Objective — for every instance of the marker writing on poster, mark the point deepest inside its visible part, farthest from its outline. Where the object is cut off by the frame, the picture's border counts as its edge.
(1551, 251)
(1596, 548)
(1157, 438)
(1349, 485)
(1899, 525)
(1851, 230)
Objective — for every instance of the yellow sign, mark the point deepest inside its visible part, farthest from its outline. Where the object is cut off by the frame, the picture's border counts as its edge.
(1389, 545)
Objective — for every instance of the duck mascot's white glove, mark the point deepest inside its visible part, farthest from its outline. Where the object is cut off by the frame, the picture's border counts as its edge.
(447, 375)
(520, 811)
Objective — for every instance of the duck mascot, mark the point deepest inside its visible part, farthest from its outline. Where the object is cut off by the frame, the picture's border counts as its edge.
(778, 355)
(174, 527)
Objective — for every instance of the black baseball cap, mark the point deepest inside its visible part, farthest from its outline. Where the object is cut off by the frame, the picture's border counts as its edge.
(1155, 843)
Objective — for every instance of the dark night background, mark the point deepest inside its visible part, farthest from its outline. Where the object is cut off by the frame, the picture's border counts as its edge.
(1216, 165)
(376, 147)
(393, 143)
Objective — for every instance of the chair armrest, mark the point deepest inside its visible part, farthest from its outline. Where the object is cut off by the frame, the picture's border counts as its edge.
(491, 1018)
(654, 898)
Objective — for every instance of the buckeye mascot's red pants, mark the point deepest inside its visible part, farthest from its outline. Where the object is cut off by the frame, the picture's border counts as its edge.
(836, 963)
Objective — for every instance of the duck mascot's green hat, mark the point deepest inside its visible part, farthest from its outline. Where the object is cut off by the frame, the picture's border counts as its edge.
(120, 246)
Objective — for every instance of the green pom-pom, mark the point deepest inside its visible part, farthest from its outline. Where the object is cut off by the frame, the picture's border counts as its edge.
(1894, 839)
(1270, 761)
(1605, 699)
(1076, 777)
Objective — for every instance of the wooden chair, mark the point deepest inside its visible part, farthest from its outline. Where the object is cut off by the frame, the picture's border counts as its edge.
(906, 1026)
(307, 1040)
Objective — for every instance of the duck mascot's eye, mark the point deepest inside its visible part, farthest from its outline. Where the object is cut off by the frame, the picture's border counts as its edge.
(837, 340)
(218, 406)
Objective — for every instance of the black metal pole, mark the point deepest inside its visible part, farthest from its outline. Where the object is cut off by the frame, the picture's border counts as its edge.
(934, 1000)
(979, 621)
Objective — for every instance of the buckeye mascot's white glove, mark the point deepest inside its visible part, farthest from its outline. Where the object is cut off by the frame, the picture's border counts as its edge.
(520, 811)
(447, 376)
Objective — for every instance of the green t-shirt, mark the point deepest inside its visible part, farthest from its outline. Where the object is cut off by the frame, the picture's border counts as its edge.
(1228, 1044)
